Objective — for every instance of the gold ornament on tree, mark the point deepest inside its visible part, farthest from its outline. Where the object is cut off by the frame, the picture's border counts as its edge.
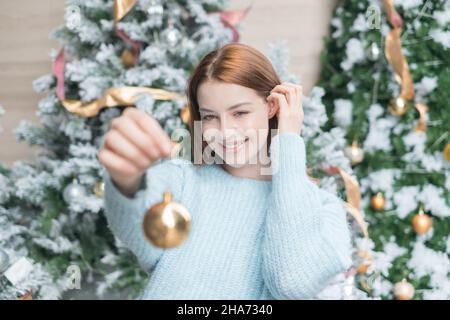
(185, 114)
(377, 201)
(446, 152)
(403, 290)
(421, 222)
(354, 153)
(128, 58)
(99, 189)
(167, 224)
(398, 106)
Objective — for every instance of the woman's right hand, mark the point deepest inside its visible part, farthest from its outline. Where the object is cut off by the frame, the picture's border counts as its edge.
(133, 143)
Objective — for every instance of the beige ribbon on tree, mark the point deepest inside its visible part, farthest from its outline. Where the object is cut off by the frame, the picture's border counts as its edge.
(122, 7)
(353, 202)
(395, 57)
(353, 205)
(353, 195)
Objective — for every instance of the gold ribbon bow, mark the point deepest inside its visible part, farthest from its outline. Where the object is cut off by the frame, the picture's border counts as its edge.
(114, 97)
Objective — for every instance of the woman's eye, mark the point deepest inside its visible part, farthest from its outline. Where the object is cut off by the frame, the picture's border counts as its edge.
(240, 113)
(207, 117)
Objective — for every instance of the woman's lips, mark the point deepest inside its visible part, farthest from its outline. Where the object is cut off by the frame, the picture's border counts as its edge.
(234, 147)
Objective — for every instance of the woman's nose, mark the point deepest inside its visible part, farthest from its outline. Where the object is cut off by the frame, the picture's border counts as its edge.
(226, 124)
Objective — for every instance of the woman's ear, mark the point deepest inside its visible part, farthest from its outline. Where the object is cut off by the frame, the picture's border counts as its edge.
(272, 109)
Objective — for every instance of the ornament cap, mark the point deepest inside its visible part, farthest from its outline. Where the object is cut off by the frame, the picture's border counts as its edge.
(167, 197)
(421, 211)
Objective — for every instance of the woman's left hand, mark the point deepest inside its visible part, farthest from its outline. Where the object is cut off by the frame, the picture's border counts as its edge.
(287, 98)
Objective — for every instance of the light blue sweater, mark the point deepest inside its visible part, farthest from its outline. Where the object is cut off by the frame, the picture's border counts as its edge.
(250, 239)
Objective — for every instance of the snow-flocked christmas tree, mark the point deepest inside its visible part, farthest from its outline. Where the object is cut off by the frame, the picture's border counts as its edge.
(386, 75)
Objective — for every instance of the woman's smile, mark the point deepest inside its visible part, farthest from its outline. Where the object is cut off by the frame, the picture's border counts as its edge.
(233, 147)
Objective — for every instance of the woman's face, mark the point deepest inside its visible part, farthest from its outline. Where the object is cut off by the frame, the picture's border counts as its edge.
(234, 121)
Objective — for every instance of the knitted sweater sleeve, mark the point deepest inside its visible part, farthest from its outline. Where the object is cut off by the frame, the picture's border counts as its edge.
(125, 214)
(307, 239)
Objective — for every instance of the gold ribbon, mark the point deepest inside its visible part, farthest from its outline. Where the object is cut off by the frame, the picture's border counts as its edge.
(393, 52)
(353, 205)
(122, 7)
(353, 202)
(114, 97)
(395, 57)
(353, 194)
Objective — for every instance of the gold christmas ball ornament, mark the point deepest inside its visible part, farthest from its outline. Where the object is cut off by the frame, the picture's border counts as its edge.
(354, 153)
(398, 106)
(422, 223)
(167, 224)
(128, 58)
(446, 152)
(377, 201)
(185, 114)
(99, 189)
(403, 290)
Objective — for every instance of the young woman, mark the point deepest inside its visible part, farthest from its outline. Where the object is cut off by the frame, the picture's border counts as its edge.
(258, 232)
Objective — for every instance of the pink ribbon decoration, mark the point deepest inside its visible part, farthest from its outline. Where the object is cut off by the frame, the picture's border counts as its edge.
(230, 19)
(121, 9)
(395, 19)
(135, 45)
(393, 16)
(58, 72)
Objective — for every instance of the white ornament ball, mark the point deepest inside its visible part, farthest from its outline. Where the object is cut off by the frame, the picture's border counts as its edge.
(73, 192)
(373, 53)
(172, 36)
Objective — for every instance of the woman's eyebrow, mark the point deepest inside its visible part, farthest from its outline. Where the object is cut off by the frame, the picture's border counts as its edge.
(229, 108)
